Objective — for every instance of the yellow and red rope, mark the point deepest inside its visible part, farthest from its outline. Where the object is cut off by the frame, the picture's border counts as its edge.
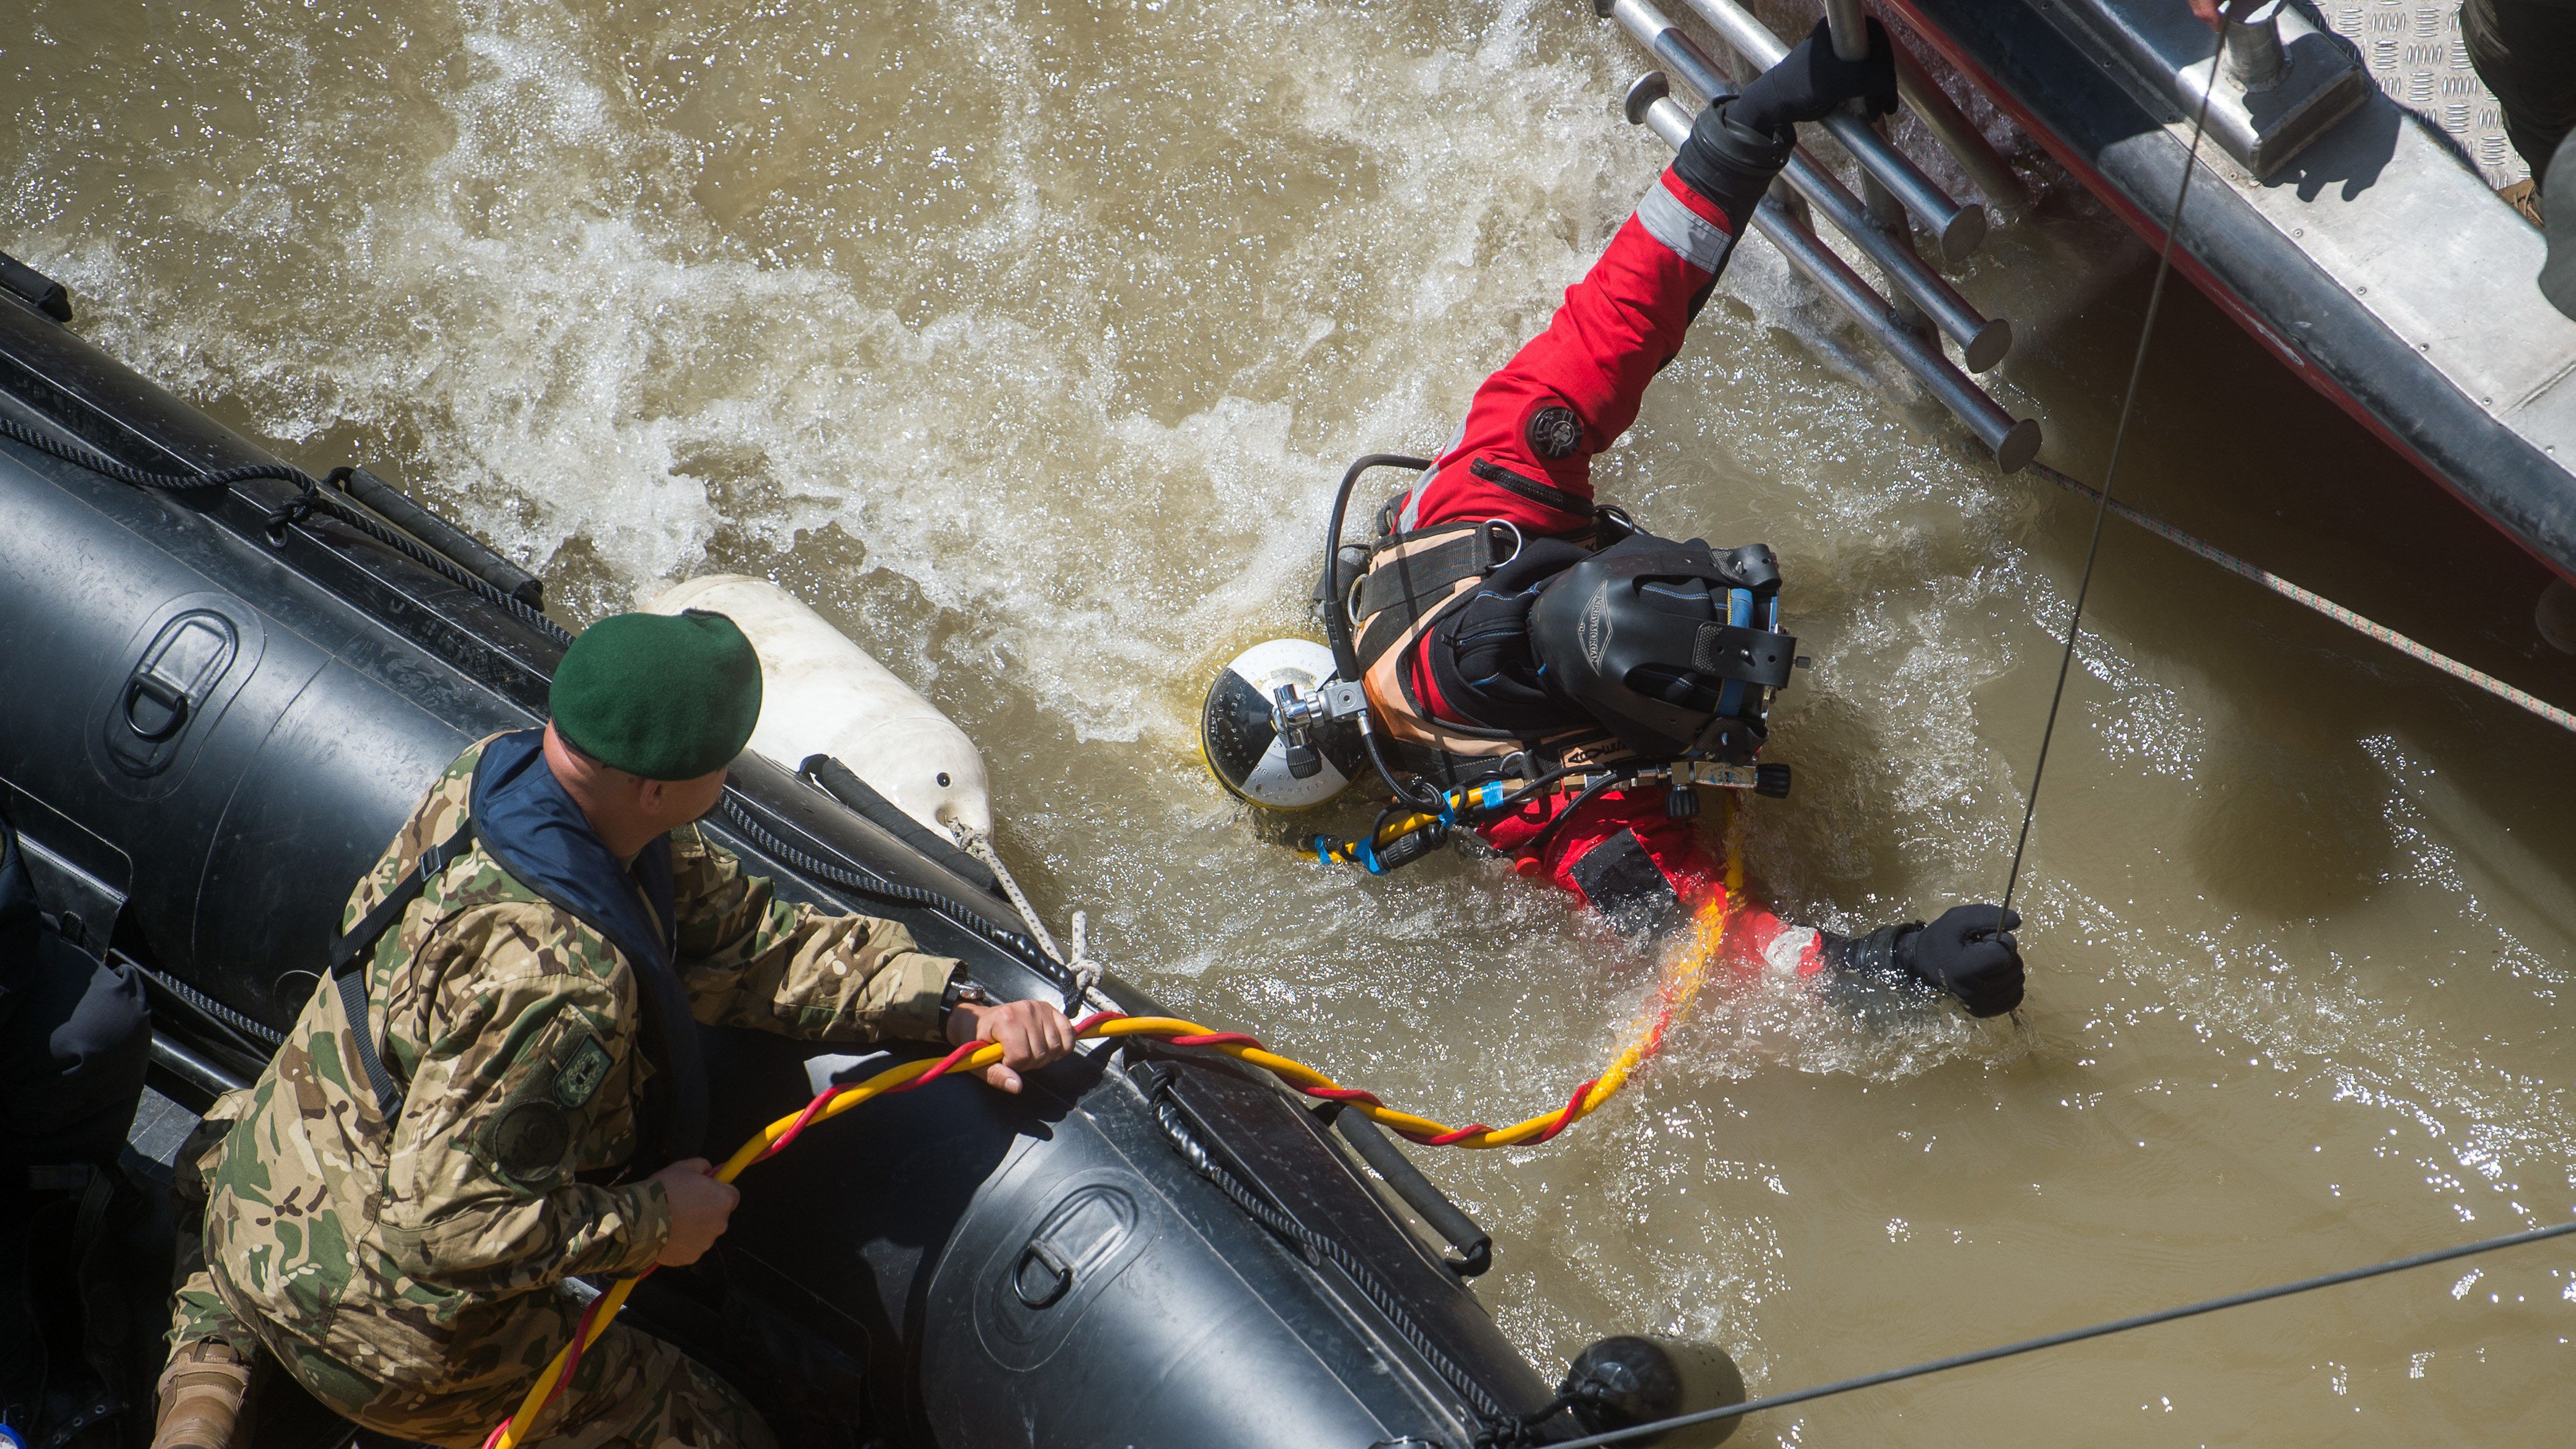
(1691, 966)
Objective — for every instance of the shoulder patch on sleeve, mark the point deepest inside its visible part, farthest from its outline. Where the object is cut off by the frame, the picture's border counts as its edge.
(531, 1139)
(581, 1072)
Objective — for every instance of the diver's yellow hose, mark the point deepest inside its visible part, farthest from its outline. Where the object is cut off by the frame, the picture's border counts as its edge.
(1673, 995)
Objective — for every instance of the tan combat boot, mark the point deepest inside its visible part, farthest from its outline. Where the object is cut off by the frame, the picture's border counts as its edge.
(201, 1397)
(2524, 196)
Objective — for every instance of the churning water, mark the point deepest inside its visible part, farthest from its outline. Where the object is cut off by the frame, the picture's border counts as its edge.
(1026, 340)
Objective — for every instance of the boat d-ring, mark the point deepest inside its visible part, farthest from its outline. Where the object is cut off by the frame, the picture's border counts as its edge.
(1046, 1290)
(147, 685)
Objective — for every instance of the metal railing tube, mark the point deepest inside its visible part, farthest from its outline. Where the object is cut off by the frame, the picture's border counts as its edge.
(1956, 229)
(1958, 135)
(1848, 24)
(1984, 342)
(2013, 443)
(1669, 44)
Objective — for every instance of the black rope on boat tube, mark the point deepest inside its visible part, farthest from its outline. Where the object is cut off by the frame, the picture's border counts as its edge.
(127, 473)
(257, 1037)
(1503, 1426)
(314, 497)
(2073, 1335)
(739, 819)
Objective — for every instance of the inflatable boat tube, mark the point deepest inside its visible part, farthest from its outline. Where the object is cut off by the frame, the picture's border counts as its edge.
(226, 699)
(823, 695)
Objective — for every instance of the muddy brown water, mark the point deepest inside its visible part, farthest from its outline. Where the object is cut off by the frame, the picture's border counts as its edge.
(1027, 340)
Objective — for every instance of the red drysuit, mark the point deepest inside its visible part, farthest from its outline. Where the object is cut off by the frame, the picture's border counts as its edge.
(1617, 329)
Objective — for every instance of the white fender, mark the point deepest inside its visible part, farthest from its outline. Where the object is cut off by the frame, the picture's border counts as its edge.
(822, 694)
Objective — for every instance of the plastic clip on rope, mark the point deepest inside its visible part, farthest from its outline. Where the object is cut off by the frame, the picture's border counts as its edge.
(1672, 997)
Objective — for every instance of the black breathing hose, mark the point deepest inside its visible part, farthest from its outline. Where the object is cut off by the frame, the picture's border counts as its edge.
(1430, 802)
(1337, 623)
(1557, 821)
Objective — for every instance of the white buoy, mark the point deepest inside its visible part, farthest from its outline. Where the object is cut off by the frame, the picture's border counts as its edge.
(822, 694)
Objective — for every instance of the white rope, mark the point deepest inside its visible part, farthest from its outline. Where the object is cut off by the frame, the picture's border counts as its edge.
(1086, 972)
(2307, 598)
(979, 845)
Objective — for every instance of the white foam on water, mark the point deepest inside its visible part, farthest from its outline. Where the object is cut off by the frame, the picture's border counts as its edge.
(1070, 320)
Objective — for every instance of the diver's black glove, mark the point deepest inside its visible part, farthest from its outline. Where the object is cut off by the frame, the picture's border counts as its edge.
(1811, 80)
(1969, 953)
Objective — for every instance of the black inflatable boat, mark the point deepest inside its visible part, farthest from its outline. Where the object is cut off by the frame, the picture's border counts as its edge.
(224, 699)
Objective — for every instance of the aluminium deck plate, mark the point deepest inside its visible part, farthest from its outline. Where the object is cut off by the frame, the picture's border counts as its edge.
(2413, 51)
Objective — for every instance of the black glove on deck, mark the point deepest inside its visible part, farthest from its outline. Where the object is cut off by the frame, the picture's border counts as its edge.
(1811, 80)
(1969, 953)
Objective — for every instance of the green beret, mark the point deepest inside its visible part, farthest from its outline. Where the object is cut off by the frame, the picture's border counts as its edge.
(662, 696)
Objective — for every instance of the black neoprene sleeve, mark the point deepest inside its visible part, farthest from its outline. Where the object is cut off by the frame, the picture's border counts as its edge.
(1730, 164)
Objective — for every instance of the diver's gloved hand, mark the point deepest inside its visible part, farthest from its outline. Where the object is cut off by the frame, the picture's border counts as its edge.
(1811, 80)
(1969, 953)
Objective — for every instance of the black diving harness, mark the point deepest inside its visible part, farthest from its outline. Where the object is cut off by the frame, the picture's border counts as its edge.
(1422, 817)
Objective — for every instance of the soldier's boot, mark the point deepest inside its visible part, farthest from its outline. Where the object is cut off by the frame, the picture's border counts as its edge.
(201, 1397)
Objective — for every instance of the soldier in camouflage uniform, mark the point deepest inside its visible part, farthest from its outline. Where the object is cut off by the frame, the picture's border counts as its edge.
(411, 1273)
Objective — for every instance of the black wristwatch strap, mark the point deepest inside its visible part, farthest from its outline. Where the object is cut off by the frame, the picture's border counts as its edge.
(961, 987)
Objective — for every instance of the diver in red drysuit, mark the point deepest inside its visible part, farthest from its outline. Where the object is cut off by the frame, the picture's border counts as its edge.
(1524, 456)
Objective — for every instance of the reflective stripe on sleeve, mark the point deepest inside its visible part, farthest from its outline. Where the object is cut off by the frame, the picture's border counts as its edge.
(1692, 237)
(1794, 952)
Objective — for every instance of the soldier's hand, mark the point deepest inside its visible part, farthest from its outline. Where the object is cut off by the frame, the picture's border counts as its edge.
(700, 1209)
(1031, 1034)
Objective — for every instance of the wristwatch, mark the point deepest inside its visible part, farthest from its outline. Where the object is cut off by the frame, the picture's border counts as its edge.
(961, 987)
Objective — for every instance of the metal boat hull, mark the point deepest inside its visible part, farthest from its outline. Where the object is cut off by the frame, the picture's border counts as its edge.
(2374, 263)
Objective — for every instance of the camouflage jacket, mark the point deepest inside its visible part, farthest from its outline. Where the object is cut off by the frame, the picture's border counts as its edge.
(405, 1250)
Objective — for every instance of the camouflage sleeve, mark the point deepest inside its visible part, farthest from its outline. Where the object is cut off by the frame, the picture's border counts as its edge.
(520, 1084)
(751, 959)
